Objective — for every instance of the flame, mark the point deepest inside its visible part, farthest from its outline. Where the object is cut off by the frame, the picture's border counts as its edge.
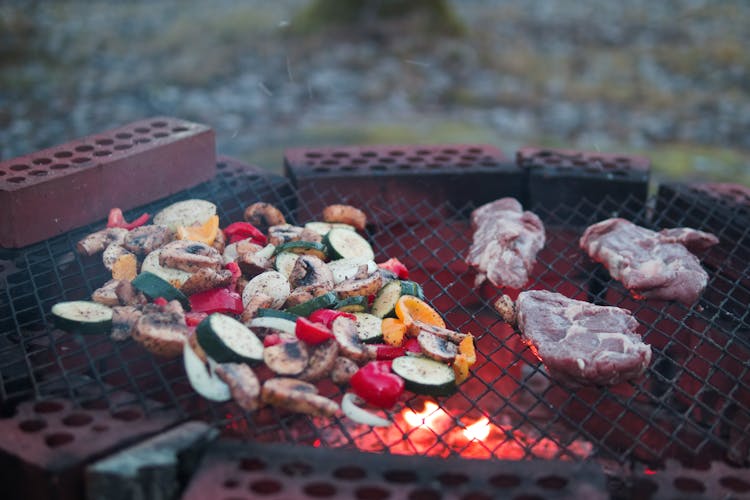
(479, 430)
(429, 416)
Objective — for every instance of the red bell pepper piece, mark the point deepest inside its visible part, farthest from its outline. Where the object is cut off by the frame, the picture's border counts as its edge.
(193, 318)
(116, 219)
(386, 352)
(242, 230)
(396, 267)
(310, 332)
(160, 301)
(218, 300)
(326, 316)
(234, 268)
(377, 384)
(412, 345)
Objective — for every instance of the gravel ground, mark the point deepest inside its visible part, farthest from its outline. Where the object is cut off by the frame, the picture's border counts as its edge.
(668, 78)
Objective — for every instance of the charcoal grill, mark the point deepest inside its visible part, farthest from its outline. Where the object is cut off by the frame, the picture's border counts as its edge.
(683, 429)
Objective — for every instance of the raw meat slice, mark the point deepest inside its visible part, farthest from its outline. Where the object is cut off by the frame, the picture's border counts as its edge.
(505, 243)
(650, 264)
(581, 343)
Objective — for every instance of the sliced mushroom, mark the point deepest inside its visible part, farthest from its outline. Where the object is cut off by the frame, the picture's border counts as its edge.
(252, 264)
(297, 396)
(346, 214)
(437, 348)
(310, 270)
(128, 295)
(98, 241)
(310, 235)
(124, 319)
(206, 279)
(242, 382)
(190, 256)
(271, 283)
(284, 233)
(264, 215)
(445, 333)
(192, 339)
(321, 361)
(358, 287)
(343, 370)
(220, 241)
(106, 294)
(112, 253)
(162, 333)
(145, 239)
(290, 357)
(257, 301)
(304, 293)
(350, 345)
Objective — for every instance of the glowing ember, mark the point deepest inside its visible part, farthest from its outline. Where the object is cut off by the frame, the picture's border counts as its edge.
(479, 430)
(428, 416)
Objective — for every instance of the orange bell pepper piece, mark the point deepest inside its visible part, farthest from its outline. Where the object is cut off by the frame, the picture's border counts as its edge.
(204, 233)
(394, 331)
(410, 309)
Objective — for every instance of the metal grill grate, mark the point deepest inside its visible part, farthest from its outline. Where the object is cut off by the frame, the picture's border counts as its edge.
(693, 404)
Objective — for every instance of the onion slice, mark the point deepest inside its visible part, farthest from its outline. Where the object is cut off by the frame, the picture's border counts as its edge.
(203, 379)
(280, 324)
(349, 405)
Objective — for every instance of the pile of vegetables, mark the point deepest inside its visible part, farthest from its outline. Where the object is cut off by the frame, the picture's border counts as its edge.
(308, 302)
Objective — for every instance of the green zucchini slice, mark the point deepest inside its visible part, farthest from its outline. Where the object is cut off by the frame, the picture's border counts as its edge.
(303, 248)
(153, 287)
(284, 262)
(325, 301)
(425, 376)
(369, 328)
(385, 302)
(82, 316)
(354, 304)
(343, 244)
(275, 313)
(226, 340)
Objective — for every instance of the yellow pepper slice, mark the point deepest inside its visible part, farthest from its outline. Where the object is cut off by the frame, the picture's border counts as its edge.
(461, 368)
(394, 331)
(410, 309)
(204, 233)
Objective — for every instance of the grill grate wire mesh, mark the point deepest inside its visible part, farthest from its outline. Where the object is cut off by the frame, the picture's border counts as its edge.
(692, 404)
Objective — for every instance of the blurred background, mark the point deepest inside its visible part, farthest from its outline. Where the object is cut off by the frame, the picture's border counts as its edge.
(668, 79)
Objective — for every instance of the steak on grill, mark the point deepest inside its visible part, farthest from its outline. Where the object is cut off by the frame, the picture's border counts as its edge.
(650, 264)
(578, 342)
(505, 243)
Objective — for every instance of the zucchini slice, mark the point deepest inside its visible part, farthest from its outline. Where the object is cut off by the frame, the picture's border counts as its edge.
(343, 244)
(322, 228)
(303, 248)
(204, 380)
(153, 287)
(82, 316)
(345, 269)
(425, 376)
(279, 324)
(284, 262)
(385, 301)
(226, 340)
(175, 277)
(354, 304)
(185, 213)
(369, 328)
(265, 312)
(325, 301)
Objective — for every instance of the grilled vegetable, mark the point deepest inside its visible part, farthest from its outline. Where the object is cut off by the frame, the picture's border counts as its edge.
(106, 294)
(357, 303)
(396, 267)
(359, 287)
(394, 331)
(369, 328)
(436, 347)
(320, 364)
(384, 305)
(322, 228)
(190, 256)
(345, 214)
(124, 319)
(312, 333)
(444, 333)
(284, 262)
(303, 248)
(342, 243)
(206, 279)
(80, 316)
(414, 311)
(425, 376)
(204, 233)
(202, 378)
(218, 300)
(242, 382)
(326, 316)
(271, 283)
(125, 267)
(298, 396)
(377, 384)
(112, 253)
(226, 340)
(145, 239)
(263, 216)
(343, 370)
(162, 333)
(275, 313)
(290, 357)
(98, 241)
(284, 233)
(185, 213)
(345, 331)
(275, 323)
(350, 407)
(153, 286)
(345, 269)
(324, 301)
(244, 230)
(310, 270)
(175, 277)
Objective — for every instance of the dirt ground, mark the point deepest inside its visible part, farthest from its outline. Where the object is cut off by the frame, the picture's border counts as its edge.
(669, 79)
